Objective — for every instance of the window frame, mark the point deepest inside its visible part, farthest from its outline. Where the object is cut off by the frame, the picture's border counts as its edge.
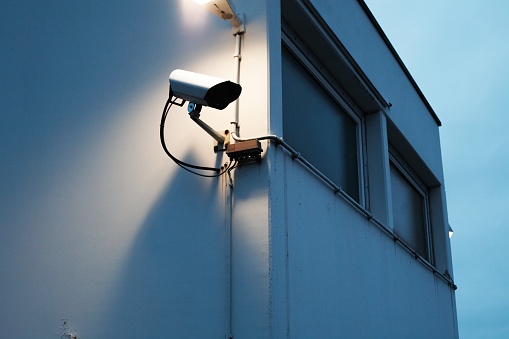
(396, 160)
(310, 63)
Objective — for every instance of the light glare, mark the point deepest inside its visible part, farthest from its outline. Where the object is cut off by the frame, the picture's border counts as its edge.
(201, 2)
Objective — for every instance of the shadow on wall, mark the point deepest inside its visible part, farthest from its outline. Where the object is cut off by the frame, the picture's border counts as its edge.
(68, 70)
(174, 279)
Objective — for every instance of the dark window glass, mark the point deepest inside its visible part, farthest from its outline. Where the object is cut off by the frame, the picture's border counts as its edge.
(315, 125)
(408, 212)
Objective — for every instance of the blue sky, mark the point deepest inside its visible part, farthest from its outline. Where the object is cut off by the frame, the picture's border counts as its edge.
(458, 53)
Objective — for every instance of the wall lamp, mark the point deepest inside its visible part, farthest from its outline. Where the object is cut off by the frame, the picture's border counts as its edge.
(451, 232)
(225, 10)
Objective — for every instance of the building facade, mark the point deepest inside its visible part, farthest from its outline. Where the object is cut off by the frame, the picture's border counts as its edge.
(340, 231)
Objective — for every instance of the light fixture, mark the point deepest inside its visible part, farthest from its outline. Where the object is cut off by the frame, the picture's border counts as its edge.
(225, 10)
(451, 232)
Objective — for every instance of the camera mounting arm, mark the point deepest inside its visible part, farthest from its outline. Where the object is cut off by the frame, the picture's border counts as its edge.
(223, 139)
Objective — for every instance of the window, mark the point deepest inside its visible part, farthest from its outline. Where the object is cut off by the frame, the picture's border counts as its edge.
(317, 125)
(410, 205)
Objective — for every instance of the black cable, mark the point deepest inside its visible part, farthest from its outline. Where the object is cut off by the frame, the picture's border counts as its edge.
(232, 167)
(179, 162)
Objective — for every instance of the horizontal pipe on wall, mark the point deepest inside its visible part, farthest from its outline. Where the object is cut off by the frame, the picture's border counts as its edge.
(338, 190)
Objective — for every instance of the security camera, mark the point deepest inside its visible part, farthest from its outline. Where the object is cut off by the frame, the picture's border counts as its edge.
(203, 89)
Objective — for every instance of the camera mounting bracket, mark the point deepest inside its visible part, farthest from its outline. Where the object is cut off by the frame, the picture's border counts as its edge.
(222, 137)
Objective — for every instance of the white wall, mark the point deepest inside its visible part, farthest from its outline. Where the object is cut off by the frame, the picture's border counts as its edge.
(98, 226)
(347, 277)
(342, 274)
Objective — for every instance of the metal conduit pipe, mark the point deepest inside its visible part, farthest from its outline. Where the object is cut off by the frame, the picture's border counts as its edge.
(239, 32)
(338, 190)
(238, 57)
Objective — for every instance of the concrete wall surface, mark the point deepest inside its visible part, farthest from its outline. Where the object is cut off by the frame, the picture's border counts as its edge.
(347, 277)
(98, 226)
(103, 236)
(343, 275)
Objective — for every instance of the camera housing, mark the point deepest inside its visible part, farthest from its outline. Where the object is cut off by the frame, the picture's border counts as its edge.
(203, 89)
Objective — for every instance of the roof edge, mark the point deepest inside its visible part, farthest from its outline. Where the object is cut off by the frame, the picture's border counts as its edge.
(398, 59)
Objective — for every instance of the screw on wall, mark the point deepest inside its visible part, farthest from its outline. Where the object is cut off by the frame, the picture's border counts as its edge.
(67, 333)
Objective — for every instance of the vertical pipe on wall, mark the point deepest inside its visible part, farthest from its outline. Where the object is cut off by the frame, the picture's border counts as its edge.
(228, 185)
(238, 33)
(238, 57)
(229, 192)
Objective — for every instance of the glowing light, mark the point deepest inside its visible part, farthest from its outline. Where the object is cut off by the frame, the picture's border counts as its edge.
(225, 10)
